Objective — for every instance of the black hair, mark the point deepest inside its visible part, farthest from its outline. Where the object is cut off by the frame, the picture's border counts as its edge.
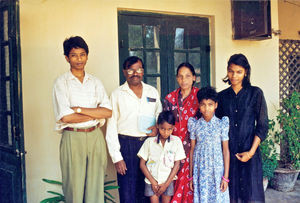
(74, 42)
(240, 60)
(130, 61)
(189, 66)
(165, 116)
(207, 93)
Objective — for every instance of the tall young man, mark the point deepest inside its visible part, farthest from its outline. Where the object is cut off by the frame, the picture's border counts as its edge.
(81, 106)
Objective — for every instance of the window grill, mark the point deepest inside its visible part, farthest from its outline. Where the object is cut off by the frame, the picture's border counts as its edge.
(289, 77)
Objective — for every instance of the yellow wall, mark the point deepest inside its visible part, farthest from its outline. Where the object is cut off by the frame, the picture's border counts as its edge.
(46, 23)
(289, 15)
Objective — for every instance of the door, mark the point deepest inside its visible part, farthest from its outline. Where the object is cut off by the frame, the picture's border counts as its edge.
(164, 42)
(12, 160)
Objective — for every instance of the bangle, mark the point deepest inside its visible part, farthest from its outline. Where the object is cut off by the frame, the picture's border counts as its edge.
(249, 155)
(225, 179)
(191, 178)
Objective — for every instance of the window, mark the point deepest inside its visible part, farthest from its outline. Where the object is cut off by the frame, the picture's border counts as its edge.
(164, 42)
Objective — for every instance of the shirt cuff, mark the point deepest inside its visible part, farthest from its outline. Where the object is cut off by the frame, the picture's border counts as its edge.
(64, 113)
(117, 157)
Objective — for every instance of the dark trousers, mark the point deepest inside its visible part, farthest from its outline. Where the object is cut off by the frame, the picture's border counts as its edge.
(132, 184)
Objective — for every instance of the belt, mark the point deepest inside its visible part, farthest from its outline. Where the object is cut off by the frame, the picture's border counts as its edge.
(133, 138)
(82, 129)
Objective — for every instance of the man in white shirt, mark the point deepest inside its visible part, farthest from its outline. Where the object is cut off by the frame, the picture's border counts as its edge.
(132, 102)
(81, 106)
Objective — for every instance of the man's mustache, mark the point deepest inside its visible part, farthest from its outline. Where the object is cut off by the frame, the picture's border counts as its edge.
(135, 76)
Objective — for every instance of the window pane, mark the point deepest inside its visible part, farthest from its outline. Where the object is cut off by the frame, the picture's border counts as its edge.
(178, 59)
(152, 36)
(135, 36)
(137, 53)
(8, 95)
(9, 130)
(198, 82)
(179, 38)
(194, 39)
(155, 82)
(152, 62)
(5, 25)
(6, 58)
(194, 59)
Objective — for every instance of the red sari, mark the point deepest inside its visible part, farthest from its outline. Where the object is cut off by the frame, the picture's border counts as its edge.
(182, 110)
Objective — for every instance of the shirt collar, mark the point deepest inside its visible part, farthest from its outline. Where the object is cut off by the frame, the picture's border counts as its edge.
(212, 121)
(126, 87)
(70, 76)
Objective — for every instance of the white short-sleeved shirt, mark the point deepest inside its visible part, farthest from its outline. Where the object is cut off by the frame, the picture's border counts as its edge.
(127, 108)
(160, 159)
(69, 92)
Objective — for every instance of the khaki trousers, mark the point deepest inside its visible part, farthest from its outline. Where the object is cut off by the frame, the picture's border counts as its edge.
(83, 162)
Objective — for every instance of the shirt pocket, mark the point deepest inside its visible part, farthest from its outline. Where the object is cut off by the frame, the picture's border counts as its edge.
(169, 158)
(149, 108)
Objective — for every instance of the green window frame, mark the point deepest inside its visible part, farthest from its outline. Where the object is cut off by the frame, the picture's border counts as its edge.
(163, 42)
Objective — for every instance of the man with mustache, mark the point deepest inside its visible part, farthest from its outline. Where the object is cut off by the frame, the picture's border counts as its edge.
(131, 102)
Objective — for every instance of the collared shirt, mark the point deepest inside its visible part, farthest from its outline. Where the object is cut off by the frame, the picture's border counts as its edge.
(127, 108)
(160, 159)
(69, 92)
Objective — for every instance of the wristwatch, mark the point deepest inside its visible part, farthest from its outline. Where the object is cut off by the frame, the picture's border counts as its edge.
(78, 110)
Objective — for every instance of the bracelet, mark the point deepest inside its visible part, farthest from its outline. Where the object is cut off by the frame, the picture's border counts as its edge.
(191, 178)
(248, 155)
(225, 179)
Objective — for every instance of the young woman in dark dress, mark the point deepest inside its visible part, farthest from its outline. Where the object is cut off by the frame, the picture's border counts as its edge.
(246, 108)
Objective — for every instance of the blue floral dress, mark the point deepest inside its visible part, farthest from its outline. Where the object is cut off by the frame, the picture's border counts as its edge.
(208, 165)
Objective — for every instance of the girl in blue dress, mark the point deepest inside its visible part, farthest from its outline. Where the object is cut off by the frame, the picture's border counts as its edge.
(209, 155)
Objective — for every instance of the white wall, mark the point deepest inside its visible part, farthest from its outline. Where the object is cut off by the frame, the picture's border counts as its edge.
(46, 23)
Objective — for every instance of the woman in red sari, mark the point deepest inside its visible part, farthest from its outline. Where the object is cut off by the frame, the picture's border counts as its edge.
(184, 104)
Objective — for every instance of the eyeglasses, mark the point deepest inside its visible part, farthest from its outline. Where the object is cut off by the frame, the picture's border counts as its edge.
(131, 71)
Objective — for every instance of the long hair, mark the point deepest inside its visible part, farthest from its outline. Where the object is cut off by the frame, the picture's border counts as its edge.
(240, 60)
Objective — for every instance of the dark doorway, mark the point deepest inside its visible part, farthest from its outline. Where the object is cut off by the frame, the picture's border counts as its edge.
(12, 154)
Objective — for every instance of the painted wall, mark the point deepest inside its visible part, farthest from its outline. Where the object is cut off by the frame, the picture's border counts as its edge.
(46, 23)
(289, 15)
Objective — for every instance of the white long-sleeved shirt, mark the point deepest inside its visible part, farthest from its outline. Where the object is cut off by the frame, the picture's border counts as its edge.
(127, 108)
(69, 92)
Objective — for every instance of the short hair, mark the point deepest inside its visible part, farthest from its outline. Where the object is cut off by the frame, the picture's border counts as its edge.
(130, 61)
(240, 60)
(207, 93)
(166, 116)
(188, 65)
(74, 42)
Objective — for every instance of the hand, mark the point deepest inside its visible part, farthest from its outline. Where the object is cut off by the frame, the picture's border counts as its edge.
(74, 108)
(155, 187)
(243, 157)
(153, 131)
(162, 189)
(191, 185)
(121, 167)
(224, 185)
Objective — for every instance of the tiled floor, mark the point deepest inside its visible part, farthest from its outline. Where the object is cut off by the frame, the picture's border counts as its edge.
(273, 196)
